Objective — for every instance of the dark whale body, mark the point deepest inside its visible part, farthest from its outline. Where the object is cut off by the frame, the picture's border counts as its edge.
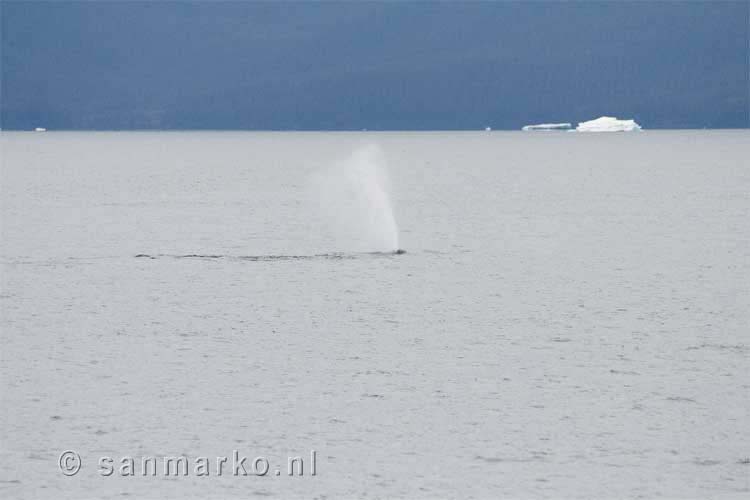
(334, 256)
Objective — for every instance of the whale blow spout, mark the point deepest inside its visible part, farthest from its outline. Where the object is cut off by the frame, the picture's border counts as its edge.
(399, 251)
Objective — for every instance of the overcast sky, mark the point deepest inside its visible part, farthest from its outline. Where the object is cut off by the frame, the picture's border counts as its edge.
(398, 66)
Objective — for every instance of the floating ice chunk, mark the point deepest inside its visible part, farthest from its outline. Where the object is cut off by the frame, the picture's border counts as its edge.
(608, 124)
(40, 129)
(547, 126)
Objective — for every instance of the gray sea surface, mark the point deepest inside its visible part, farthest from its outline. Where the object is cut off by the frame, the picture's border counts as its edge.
(571, 318)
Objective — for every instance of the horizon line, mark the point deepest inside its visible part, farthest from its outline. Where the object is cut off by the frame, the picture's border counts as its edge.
(482, 130)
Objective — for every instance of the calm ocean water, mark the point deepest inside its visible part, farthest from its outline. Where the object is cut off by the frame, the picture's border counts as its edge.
(570, 319)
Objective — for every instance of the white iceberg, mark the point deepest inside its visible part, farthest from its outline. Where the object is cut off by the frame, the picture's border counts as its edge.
(608, 124)
(547, 126)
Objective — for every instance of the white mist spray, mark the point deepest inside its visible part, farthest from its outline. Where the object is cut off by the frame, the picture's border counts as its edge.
(355, 201)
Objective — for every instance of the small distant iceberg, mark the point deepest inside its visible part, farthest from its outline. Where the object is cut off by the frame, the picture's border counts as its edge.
(547, 126)
(608, 124)
(40, 129)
